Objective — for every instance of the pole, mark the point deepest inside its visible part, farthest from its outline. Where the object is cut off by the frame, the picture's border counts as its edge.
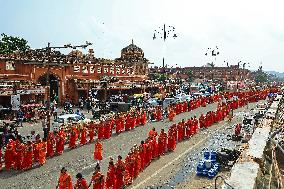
(48, 86)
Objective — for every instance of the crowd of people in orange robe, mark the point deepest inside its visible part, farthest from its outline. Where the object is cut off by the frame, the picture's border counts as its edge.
(21, 156)
(123, 173)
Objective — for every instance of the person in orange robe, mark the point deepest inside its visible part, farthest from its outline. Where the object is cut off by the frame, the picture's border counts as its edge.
(42, 152)
(50, 145)
(28, 156)
(201, 121)
(100, 131)
(9, 155)
(97, 179)
(148, 153)
(19, 155)
(73, 137)
(91, 130)
(119, 173)
(111, 176)
(98, 153)
(163, 142)
(35, 150)
(137, 161)
(188, 124)
(118, 125)
(81, 183)
(195, 124)
(60, 139)
(107, 130)
(65, 180)
(129, 168)
(142, 153)
(170, 114)
(143, 118)
(153, 133)
(83, 140)
(159, 113)
(180, 128)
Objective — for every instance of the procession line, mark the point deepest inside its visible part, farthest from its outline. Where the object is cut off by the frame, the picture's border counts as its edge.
(178, 157)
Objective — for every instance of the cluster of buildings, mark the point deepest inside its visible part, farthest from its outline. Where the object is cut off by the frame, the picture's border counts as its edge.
(72, 76)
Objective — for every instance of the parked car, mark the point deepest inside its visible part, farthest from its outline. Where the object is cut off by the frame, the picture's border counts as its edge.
(63, 119)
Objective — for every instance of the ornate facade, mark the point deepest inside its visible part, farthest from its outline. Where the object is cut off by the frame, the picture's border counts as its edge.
(73, 74)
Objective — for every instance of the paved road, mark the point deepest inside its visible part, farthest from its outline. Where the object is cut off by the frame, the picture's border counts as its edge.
(81, 159)
(177, 169)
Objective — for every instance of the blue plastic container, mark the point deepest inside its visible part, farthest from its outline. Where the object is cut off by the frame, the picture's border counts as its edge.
(200, 167)
(206, 155)
(211, 173)
(213, 156)
(205, 172)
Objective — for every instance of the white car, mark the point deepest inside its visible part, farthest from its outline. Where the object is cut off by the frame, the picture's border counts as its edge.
(63, 119)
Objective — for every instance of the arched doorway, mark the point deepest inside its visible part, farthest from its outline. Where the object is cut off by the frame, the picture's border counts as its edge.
(53, 84)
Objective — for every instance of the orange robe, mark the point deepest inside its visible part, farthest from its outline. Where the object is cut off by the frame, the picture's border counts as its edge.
(50, 145)
(111, 177)
(98, 181)
(83, 140)
(73, 138)
(9, 156)
(91, 133)
(65, 181)
(98, 154)
(28, 157)
(42, 153)
(119, 174)
(19, 155)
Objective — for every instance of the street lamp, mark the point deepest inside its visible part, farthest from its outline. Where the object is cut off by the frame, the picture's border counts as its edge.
(213, 53)
(164, 33)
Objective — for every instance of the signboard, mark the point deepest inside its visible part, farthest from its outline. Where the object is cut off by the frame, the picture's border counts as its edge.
(76, 68)
(105, 70)
(117, 71)
(15, 102)
(10, 65)
(99, 70)
(92, 69)
(85, 69)
(112, 70)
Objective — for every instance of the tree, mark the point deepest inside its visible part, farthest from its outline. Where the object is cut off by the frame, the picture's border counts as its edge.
(10, 44)
(190, 75)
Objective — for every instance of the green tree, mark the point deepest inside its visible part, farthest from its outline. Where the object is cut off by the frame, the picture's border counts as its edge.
(190, 75)
(10, 44)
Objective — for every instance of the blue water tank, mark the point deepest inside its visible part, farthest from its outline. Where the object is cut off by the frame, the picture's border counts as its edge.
(213, 156)
(206, 155)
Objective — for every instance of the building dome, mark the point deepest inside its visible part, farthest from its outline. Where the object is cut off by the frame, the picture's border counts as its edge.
(132, 52)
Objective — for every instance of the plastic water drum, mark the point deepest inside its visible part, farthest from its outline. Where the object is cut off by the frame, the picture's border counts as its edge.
(213, 156)
(211, 173)
(206, 154)
(200, 167)
(217, 166)
(205, 172)
(208, 164)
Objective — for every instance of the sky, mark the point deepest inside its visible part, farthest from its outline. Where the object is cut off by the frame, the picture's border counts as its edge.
(250, 31)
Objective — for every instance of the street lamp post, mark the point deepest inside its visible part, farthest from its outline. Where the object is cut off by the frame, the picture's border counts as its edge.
(164, 33)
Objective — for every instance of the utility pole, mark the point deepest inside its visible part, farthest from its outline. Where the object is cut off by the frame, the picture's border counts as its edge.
(48, 51)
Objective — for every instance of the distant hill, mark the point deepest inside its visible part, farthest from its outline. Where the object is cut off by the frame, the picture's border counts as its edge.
(278, 74)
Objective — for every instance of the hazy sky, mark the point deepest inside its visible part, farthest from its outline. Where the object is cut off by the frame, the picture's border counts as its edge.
(244, 30)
